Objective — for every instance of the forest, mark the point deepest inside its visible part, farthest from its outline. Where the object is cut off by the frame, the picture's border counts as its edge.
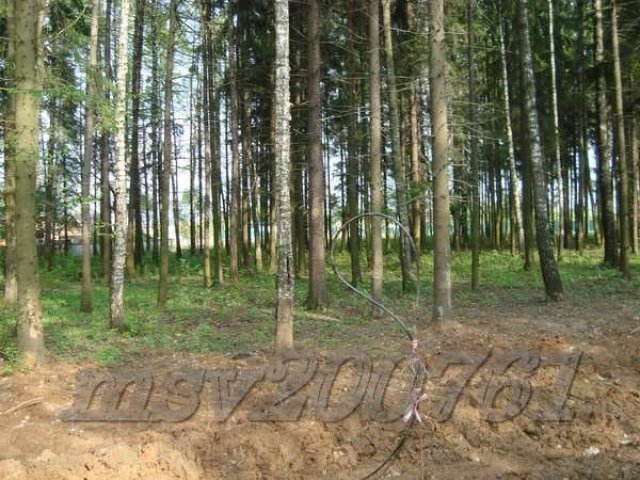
(209, 192)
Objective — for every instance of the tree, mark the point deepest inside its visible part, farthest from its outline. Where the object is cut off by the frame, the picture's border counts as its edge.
(440, 152)
(556, 131)
(89, 133)
(603, 150)
(234, 198)
(135, 236)
(285, 274)
(167, 153)
(116, 306)
(473, 153)
(105, 148)
(10, 280)
(514, 189)
(396, 150)
(375, 143)
(548, 266)
(26, 40)
(317, 291)
(621, 150)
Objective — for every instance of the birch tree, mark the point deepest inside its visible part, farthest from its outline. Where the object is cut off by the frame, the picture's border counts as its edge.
(116, 306)
(285, 273)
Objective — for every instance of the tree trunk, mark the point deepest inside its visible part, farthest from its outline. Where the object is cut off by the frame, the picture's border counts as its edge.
(10, 281)
(548, 266)
(317, 289)
(635, 182)
(556, 135)
(375, 173)
(135, 236)
(174, 187)
(473, 152)
(440, 149)
(91, 89)
(352, 168)
(234, 196)
(206, 98)
(167, 150)
(406, 254)
(105, 154)
(28, 69)
(285, 275)
(584, 172)
(621, 149)
(116, 310)
(514, 186)
(603, 150)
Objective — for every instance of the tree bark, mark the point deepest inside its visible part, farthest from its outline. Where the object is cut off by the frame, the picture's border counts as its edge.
(556, 135)
(28, 71)
(105, 154)
(135, 235)
(603, 149)
(87, 160)
(406, 254)
(473, 153)
(167, 151)
(10, 280)
(317, 289)
(285, 275)
(514, 185)
(375, 173)
(206, 92)
(621, 149)
(440, 149)
(116, 310)
(548, 266)
(234, 196)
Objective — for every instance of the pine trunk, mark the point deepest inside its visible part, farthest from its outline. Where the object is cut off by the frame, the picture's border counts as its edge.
(317, 288)
(548, 266)
(87, 160)
(28, 66)
(621, 149)
(167, 152)
(440, 149)
(603, 149)
(375, 168)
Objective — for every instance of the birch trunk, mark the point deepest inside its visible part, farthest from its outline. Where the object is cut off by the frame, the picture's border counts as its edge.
(116, 306)
(285, 274)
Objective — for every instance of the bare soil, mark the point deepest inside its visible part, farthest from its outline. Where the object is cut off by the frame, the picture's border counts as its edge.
(600, 441)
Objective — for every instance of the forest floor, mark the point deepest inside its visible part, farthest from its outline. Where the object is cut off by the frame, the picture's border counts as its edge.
(568, 406)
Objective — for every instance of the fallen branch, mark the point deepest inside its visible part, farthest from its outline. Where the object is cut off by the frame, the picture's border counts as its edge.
(26, 403)
(637, 329)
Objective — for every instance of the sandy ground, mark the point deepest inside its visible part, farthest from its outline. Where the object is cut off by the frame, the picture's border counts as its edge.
(598, 436)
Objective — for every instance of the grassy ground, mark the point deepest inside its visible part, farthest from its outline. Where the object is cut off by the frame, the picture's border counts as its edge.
(239, 320)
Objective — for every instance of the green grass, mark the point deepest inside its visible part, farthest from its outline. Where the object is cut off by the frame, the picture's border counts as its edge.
(230, 320)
